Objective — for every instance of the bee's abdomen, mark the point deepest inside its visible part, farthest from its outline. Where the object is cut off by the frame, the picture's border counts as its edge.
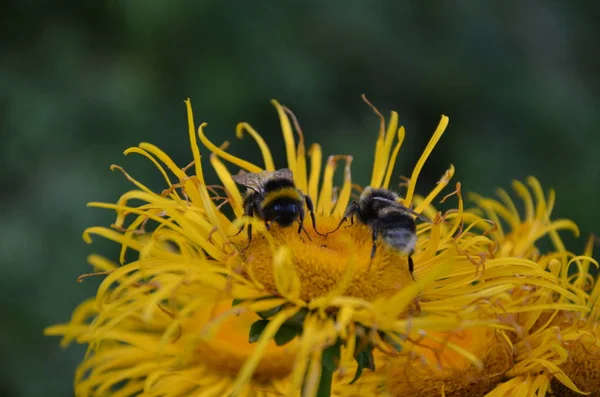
(398, 231)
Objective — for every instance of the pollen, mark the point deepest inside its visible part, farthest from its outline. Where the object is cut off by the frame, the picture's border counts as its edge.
(583, 368)
(229, 348)
(196, 307)
(433, 370)
(323, 263)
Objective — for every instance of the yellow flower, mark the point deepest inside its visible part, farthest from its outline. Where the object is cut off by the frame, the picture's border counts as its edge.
(204, 311)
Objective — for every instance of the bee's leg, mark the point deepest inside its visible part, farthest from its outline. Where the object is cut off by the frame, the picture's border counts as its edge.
(249, 211)
(249, 236)
(311, 211)
(239, 231)
(411, 265)
(374, 248)
(351, 222)
(375, 235)
(350, 211)
(301, 225)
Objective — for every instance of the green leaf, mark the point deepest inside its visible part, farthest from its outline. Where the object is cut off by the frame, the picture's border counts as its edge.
(298, 318)
(256, 329)
(270, 313)
(285, 334)
(364, 359)
(236, 302)
(331, 356)
(324, 389)
(391, 342)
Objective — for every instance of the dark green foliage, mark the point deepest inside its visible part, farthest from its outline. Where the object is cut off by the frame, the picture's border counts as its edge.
(286, 333)
(256, 330)
(364, 358)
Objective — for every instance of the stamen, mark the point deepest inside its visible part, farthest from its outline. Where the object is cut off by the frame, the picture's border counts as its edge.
(130, 178)
(442, 183)
(404, 181)
(162, 156)
(230, 186)
(380, 162)
(81, 277)
(187, 167)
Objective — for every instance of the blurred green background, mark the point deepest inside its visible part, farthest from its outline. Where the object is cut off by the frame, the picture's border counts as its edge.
(82, 81)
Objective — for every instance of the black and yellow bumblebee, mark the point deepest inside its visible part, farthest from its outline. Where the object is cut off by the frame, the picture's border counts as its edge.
(273, 197)
(387, 218)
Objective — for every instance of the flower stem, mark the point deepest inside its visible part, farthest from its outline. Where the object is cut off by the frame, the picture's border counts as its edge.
(324, 389)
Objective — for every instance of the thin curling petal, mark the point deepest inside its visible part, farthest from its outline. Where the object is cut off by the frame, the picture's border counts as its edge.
(380, 161)
(392, 159)
(344, 196)
(219, 296)
(326, 196)
(149, 157)
(193, 143)
(419, 166)
(288, 136)
(300, 176)
(246, 165)
(315, 154)
(264, 148)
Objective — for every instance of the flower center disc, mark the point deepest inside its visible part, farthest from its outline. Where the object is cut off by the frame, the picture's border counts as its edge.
(322, 262)
(230, 348)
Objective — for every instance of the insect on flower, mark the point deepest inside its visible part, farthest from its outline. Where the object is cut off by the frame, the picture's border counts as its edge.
(380, 210)
(273, 197)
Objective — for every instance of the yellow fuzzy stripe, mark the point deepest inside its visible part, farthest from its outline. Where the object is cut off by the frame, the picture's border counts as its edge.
(288, 192)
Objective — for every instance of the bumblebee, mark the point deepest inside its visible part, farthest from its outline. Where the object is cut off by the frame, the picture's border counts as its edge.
(273, 197)
(394, 223)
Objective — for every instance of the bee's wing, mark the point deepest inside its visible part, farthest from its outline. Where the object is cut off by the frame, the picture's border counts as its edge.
(255, 181)
(249, 179)
(284, 173)
(388, 201)
(403, 208)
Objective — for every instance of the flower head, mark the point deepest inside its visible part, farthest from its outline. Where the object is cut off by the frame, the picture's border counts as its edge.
(288, 310)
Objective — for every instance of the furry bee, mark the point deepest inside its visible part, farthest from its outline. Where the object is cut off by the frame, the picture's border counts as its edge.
(273, 197)
(394, 223)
